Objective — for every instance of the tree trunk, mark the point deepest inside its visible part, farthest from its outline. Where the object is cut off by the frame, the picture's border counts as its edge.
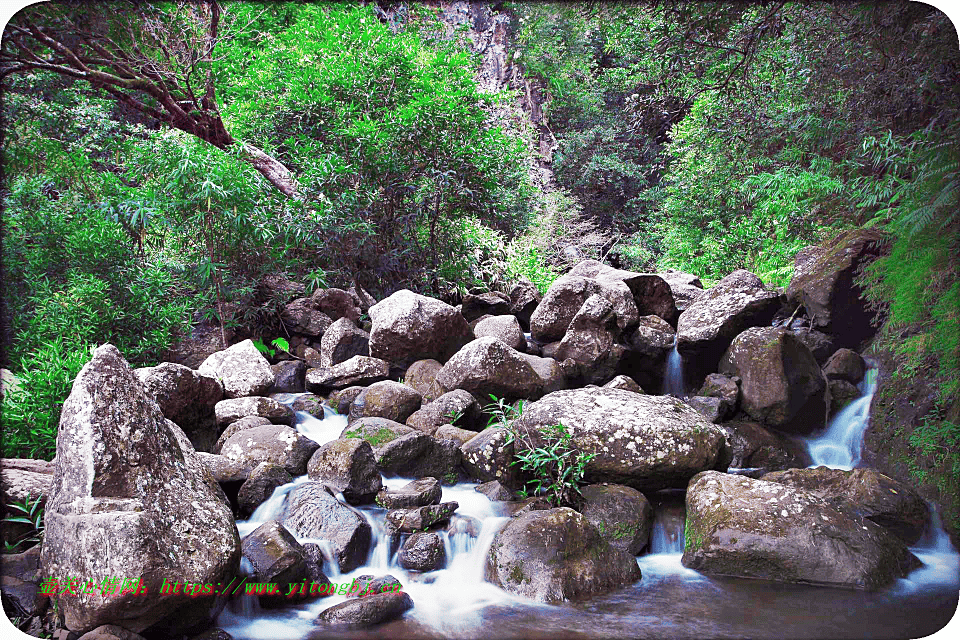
(271, 169)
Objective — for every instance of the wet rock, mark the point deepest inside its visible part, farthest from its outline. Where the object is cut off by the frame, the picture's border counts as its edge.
(341, 399)
(622, 515)
(359, 613)
(457, 406)
(521, 507)
(421, 518)
(824, 281)
(753, 446)
(302, 316)
(342, 341)
(288, 376)
(357, 371)
(464, 525)
(739, 526)
(311, 511)
(422, 552)
(271, 443)
(556, 555)
(386, 399)
(842, 393)
(454, 434)
(418, 493)
(625, 383)
(506, 329)
(229, 411)
(408, 327)
(418, 455)
(709, 325)
(709, 408)
(349, 466)
(646, 442)
(259, 486)
(186, 397)
(376, 431)
(223, 469)
(493, 303)
(241, 424)
(123, 488)
(276, 557)
(726, 389)
(591, 340)
(310, 403)
(422, 376)
(488, 457)
(845, 365)
(495, 491)
(820, 344)
(336, 303)
(241, 369)
(864, 493)
(524, 298)
(487, 366)
(367, 586)
(781, 383)
(213, 634)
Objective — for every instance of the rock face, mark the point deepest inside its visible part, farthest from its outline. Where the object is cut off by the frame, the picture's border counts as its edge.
(487, 366)
(342, 341)
(233, 409)
(358, 370)
(311, 511)
(506, 329)
(709, 325)
(556, 555)
(782, 385)
(863, 493)
(349, 466)
(20, 482)
(128, 501)
(408, 327)
(241, 369)
(271, 443)
(622, 515)
(744, 527)
(646, 442)
(186, 397)
(386, 399)
(457, 405)
(823, 281)
(591, 340)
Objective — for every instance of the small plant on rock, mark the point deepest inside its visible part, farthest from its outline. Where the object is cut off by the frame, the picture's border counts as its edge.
(30, 513)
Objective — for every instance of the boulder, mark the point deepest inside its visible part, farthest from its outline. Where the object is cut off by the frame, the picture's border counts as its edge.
(709, 408)
(376, 431)
(110, 632)
(648, 292)
(342, 341)
(359, 613)
(649, 345)
(341, 400)
(275, 555)
(685, 287)
(824, 281)
(357, 371)
(361, 298)
(454, 434)
(309, 403)
(259, 486)
(646, 442)
(204, 339)
(348, 465)
(124, 488)
(626, 383)
(241, 369)
(489, 456)
(418, 455)
(421, 518)
(495, 491)
(493, 303)
(422, 552)
(418, 493)
(385, 399)
(186, 397)
(552, 316)
(408, 327)
(302, 316)
(864, 493)
(709, 325)
(271, 443)
(842, 393)
(422, 376)
(312, 511)
(487, 366)
(506, 329)
(223, 469)
(524, 298)
(752, 446)
(18, 485)
(243, 423)
(591, 340)
(847, 365)
(230, 410)
(551, 373)
(368, 585)
(288, 376)
(457, 406)
(336, 303)
(821, 344)
(739, 526)
(726, 389)
(781, 384)
(556, 555)
(622, 515)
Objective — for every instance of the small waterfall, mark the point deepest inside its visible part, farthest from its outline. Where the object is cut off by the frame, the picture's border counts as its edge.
(673, 375)
(665, 550)
(839, 446)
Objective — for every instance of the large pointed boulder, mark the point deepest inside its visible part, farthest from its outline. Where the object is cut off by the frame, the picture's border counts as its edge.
(241, 369)
(408, 327)
(487, 366)
(128, 501)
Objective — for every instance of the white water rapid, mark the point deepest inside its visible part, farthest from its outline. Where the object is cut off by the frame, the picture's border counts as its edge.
(840, 445)
(673, 374)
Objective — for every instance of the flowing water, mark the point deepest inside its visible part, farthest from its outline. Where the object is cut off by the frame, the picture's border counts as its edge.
(840, 445)
(670, 601)
(673, 375)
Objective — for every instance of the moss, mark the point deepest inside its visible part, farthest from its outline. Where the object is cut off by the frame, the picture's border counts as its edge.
(516, 573)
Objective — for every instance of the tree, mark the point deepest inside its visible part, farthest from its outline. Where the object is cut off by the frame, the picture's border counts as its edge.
(157, 60)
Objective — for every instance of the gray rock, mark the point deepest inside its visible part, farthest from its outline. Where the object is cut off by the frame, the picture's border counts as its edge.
(289, 376)
(241, 424)
(385, 399)
(752, 446)
(591, 340)
(422, 376)
(551, 373)
(422, 552)
(496, 491)
(821, 344)
(224, 469)
(552, 316)
(357, 371)
(123, 488)
(493, 303)
(622, 515)
(349, 466)
(19, 485)
(342, 341)
(421, 518)
(336, 303)
(275, 555)
(524, 298)
(110, 632)
(457, 406)
(488, 457)
(311, 511)
(418, 493)
(506, 329)
(241, 369)
(709, 408)
(739, 526)
(487, 366)
(408, 327)
(359, 613)
(186, 397)
(556, 555)
(271, 443)
(649, 292)
(625, 383)
(418, 455)
(259, 486)
(361, 298)
(845, 365)
(726, 389)
(842, 393)
(454, 434)
(376, 431)
(310, 403)
(303, 317)
(231, 410)
(342, 399)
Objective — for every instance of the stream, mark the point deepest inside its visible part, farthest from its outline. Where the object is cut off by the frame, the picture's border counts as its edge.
(670, 601)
